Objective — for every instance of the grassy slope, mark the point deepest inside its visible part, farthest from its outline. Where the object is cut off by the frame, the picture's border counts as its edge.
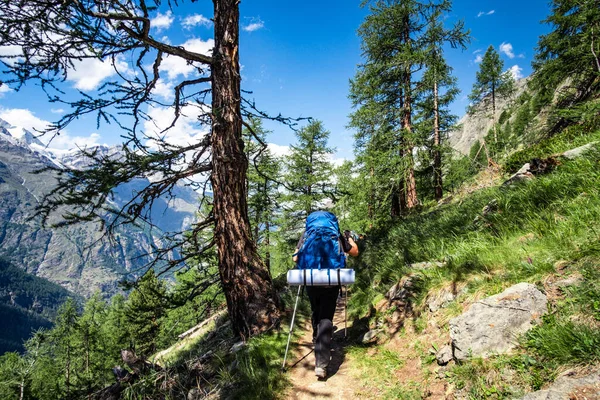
(533, 228)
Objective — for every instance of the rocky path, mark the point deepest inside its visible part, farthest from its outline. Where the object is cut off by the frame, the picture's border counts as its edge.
(339, 383)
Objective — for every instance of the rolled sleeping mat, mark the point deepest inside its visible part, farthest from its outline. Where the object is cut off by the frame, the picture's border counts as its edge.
(320, 277)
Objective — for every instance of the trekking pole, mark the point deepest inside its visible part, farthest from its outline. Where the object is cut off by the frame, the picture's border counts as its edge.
(291, 327)
(346, 314)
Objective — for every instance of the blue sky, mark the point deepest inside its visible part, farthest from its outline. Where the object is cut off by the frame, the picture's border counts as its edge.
(297, 57)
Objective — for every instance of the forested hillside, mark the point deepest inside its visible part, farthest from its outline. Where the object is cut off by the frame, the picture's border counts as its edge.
(27, 303)
(479, 271)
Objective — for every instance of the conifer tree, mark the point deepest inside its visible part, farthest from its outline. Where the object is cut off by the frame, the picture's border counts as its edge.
(385, 86)
(308, 172)
(491, 83)
(263, 192)
(442, 89)
(65, 348)
(571, 50)
(55, 37)
(145, 310)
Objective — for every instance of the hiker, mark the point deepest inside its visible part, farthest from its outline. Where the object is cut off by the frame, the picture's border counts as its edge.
(323, 254)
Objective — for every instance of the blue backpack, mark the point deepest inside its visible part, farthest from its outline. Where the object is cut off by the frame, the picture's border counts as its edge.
(321, 247)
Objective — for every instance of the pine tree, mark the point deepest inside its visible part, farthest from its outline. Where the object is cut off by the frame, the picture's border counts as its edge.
(442, 89)
(65, 348)
(145, 309)
(263, 187)
(571, 51)
(384, 87)
(308, 172)
(56, 36)
(491, 83)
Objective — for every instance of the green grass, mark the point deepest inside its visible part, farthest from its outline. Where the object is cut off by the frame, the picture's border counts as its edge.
(533, 225)
(377, 369)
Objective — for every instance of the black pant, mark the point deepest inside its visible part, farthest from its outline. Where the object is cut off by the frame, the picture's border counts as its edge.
(323, 301)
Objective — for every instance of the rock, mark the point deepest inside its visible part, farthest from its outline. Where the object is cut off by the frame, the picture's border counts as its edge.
(569, 281)
(369, 336)
(579, 151)
(587, 387)
(440, 300)
(237, 347)
(403, 290)
(444, 356)
(491, 325)
(427, 265)
(521, 175)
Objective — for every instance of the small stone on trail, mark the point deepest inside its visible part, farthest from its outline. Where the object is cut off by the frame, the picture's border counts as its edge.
(369, 336)
(444, 356)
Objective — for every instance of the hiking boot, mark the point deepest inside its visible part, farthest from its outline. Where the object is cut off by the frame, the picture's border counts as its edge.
(320, 372)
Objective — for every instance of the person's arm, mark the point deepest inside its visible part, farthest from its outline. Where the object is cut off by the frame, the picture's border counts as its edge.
(295, 255)
(354, 250)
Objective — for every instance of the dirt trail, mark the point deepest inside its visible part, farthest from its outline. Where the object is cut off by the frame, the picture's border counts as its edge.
(339, 383)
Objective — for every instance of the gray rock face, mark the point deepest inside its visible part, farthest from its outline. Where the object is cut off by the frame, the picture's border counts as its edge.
(566, 388)
(491, 326)
(473, 127)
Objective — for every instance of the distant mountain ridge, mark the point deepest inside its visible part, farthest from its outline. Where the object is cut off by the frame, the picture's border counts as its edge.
(74, 257)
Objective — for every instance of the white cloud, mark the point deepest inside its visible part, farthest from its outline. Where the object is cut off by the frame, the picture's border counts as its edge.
(186, 131)
(89, 73)
(195, 19)
(57, 110)
(477, 51)
(507, 49)
(4, 89)
(164, 89)
(254, 26)
(516, 71)
(485, 13)
(162, 21)
(64, 142)
(24, 118)
(11, 54)
(279, 150)
(175, 66)
(478, 59)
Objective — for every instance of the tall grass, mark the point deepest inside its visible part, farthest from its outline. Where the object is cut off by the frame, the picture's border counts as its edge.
(530, 226)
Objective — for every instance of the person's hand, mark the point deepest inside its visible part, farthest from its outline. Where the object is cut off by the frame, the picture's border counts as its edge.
(347, 234)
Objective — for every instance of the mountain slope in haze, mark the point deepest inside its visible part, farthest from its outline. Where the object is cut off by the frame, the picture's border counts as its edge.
(76, 257)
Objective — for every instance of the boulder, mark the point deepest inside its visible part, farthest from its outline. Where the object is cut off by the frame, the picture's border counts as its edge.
(491, 326)
(565, 387)
(579, 151)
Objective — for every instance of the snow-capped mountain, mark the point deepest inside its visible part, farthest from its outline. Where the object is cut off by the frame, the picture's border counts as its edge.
(72, 256)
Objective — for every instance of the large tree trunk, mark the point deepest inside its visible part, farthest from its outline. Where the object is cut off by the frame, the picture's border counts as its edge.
(437, 152)
(409, 175)
(251, 300)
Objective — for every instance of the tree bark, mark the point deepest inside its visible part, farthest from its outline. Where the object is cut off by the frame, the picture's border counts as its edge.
(437, 154)
(251, 300)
